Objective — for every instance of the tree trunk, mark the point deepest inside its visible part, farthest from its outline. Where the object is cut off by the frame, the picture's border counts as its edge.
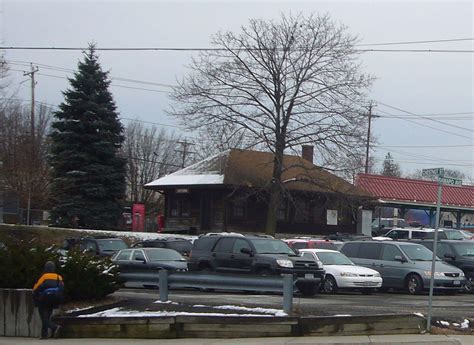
(274, 192)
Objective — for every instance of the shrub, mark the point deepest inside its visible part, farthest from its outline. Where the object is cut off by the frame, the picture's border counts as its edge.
(85, 276)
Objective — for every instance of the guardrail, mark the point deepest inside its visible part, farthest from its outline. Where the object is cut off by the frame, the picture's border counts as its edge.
(177, 280)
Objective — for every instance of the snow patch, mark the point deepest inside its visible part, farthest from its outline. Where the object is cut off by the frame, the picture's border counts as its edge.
(79, 309)
(444, 323)
(166, 302)
(119, 312)
(342, 315)
(465, 324)
(275, 312)
(419, 314)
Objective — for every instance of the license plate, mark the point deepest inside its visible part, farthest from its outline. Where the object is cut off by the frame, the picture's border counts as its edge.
(457, 282)
(309, 276)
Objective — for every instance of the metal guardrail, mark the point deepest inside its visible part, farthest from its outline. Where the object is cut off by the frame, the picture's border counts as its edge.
(177, 280)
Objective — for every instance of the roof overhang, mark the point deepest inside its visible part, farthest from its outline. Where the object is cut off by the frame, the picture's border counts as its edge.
(427, 205)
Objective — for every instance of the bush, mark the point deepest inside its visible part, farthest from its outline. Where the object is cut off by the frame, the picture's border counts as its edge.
(85, 276)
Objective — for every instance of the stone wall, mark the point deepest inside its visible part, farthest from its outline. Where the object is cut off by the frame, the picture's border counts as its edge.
(18, 316)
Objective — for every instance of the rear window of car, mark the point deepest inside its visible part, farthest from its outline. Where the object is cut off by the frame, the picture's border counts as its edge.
(299, 245)
(180, 246)
(324, 245)
(350, 249)
(204, 244)
(369, 251)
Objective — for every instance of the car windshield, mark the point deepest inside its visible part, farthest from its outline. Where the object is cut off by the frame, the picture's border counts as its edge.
(269, 246)
(417, 252)
(454, 235)
(330, 258)
(111, 245)
(465, 248)
(162, 254)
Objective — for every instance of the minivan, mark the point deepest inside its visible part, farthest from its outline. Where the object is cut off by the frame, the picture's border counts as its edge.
(457, 253)
(404, 265)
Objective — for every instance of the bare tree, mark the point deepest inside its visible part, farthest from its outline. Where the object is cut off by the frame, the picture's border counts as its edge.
(150, 154)
(287, 83)
(25, 171)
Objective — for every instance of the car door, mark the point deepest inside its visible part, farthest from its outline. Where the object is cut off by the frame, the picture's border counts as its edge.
(391, 269)
(139, 270)
(123, 261)
(369, 254)
(223, 254)
(241, 262)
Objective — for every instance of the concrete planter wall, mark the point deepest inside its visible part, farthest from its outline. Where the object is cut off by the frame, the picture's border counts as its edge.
(18, 316)
(232, 326)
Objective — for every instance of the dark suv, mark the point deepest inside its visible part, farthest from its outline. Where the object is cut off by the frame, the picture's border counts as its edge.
(457, 253)
(181, 245)
(101, 246)
(236, 253)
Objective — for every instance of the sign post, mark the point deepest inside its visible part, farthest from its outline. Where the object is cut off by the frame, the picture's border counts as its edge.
(439, 173)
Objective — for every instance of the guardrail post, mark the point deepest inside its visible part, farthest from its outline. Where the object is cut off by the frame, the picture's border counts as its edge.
(163, 285)
(287, 293)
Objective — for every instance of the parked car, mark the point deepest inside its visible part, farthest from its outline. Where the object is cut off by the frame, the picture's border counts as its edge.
(342, 273)
(139, 267)
(305, 243)
(344, 237)
(181, 245)
(414, 233)
(380, 226)
(404, 265)
(253, 254)
(101, 246)
(455, 234)
(456, 253)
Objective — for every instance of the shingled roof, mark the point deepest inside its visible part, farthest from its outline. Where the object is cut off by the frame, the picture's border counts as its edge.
(390, 188)
(254, 169)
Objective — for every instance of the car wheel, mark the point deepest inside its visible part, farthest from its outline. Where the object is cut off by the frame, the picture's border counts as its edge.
(467, 287)
(414, 284)
(330, 285)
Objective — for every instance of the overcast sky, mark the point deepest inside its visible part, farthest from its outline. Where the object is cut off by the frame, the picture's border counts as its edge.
(419, 83)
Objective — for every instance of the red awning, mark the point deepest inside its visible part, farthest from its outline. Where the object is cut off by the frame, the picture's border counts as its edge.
(415, 191)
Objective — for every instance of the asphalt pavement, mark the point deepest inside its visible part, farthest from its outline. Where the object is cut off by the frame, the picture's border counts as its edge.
(373, 340)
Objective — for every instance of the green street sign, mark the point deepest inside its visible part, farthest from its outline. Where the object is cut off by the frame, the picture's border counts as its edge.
(433, 172)
(451, 181)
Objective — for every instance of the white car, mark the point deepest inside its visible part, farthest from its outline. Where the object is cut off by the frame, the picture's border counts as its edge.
(342, 273)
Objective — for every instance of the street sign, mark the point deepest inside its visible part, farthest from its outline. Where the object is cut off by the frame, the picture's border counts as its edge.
(451, 180)
(433, 172)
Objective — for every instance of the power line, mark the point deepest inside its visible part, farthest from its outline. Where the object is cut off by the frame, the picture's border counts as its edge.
(200, 49)
(416, 42)
(435, 128)
(424, 117)
(424, 146)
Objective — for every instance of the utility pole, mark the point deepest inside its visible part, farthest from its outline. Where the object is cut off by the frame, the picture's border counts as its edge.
(368, 139)
(184, 151)
(31, 74)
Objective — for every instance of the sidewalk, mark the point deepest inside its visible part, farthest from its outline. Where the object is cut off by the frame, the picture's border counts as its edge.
(376, 339)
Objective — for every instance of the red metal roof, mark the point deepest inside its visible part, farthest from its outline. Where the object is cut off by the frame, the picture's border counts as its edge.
(415, 191)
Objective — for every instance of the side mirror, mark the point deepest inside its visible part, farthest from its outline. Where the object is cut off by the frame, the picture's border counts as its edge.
(297, 252)
(450, 256)
(140, 259)
(246, 251)
(400, 258)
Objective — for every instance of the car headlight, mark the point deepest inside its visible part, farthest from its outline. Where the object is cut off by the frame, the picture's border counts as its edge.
(285, 263)
(377, 275)
(436, 274)
(348, 274)
(462, 274)
(320, 264)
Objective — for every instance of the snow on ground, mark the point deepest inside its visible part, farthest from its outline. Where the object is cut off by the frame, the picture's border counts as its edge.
(275, 312)
(419, 314)
(79, 309)
(465, 324)
(120, 312)
(444, 323)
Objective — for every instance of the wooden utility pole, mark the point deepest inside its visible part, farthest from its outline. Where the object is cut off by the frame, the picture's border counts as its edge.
(184, 151)
(31, 74)
(368, 139)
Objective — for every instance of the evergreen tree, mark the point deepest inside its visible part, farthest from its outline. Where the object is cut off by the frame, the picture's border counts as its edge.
(390, 168)
(88, 177)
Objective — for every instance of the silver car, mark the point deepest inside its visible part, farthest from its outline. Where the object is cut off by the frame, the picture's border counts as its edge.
(404, 265)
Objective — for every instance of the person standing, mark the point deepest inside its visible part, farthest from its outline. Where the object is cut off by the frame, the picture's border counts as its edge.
(48, 293)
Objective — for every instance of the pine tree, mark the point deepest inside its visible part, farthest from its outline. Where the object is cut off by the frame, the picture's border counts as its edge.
(390, 168)
(88, 177)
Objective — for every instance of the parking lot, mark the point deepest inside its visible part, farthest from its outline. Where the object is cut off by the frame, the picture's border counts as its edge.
(446, 307)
